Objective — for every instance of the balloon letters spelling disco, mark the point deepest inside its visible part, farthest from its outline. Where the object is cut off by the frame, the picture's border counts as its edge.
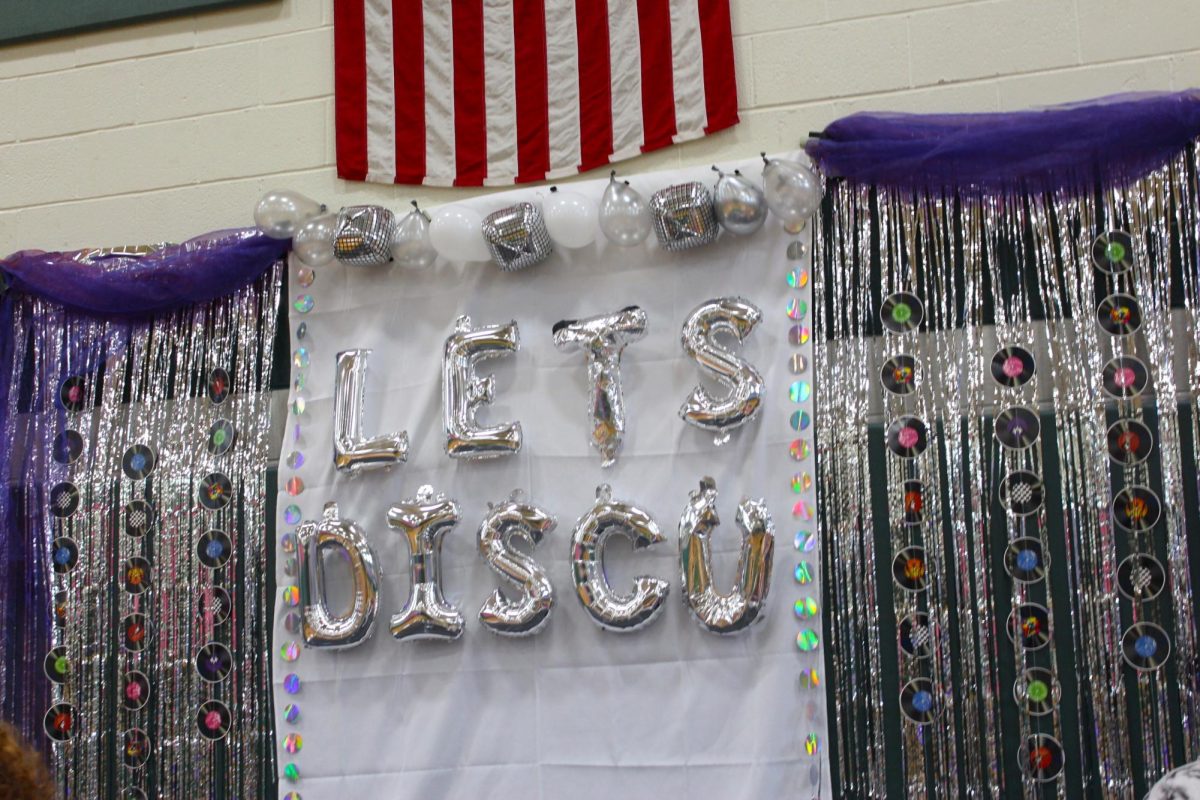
(424, 520)
(746, 604)
(321, 627)
(531, 610)
(612, 611)
(463, 391)
(351, 452)
(604, 338)
(735, 316)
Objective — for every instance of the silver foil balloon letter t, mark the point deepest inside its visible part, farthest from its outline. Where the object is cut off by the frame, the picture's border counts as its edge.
(424, 520)
(463, 392)
(351, 452)
(735, 316)
(321, 627)
(528, 613)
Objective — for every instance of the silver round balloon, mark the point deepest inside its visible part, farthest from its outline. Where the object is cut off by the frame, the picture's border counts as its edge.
(530, 611)
(624, 214)
(411, 246)
(732, 316)
(739, 205)
(463, 392)
(321, 626)
(746, 604)
(620, 613)
(793, 191)
(280, 213)
(352, 452)
(425, 520)
(313, 243)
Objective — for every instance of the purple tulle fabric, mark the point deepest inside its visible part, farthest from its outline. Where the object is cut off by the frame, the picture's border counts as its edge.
(1106, 142)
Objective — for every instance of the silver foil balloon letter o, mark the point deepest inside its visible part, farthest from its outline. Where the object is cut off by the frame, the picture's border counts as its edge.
(604, 338)
(746, 604)
(531, 610)
(351, 452)
(735, 316)
(612, 611)
(463, 392)
(424, 520)
(322, 627)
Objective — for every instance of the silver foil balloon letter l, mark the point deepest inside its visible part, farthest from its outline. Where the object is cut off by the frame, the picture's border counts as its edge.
(322, 627)
(424, 520)
(351, 452)
(463, 392)
(746, 604)
(604, 338)
(737, 317)
(611, 611)
(528, 613)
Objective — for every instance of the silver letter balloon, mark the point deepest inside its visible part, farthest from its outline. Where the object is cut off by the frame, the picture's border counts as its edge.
(463, 392)
(740, 206)
(620, 613)
(724, 315)
(425, 520)
(322, 627)
(746, 604)
(526, 615)
(604, 338)
(517, 237)
(352, 453)
(683, 216)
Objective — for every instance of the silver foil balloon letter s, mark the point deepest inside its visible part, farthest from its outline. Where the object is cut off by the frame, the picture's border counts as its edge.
(746, 604)
(322, 627)
(424, 520)
(612, 611)
(463, 392)
(604, 338)
(351, 452)
(527, 614)
(735, 316)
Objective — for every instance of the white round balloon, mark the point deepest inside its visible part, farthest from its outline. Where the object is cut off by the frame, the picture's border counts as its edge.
(793, 192)
(313, 243)
(570, 218)
(280, 213)
(456, 232)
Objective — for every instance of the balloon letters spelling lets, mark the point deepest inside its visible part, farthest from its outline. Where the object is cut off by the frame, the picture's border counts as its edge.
(321, 627)
(351, 452)
(463, 392)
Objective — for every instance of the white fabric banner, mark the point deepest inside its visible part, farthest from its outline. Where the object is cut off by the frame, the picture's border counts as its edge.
(668, 711)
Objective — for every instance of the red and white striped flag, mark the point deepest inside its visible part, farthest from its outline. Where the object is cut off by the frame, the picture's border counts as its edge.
(491, 92)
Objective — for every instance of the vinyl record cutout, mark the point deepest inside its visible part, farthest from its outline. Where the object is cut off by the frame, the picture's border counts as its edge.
(909, 569)
(72, 393)
(1037, 690)
(214, 601)
(1022, 492)
(135, 690)
(64, 499)
(1136, 509)
(135, 632)
(138, 462)
(1025, 560)
(215, 491)
(64, 553)
(899, 375)
(901, 312)
(67, 447)
(58, 609)
(213, 719)
(213, 662)
(139, 518)
(1129, 442)
(1031, 623)
(219, 386)
(214, 548)
(221, 437)
(908, 437)
(1140, 576)
(916, 637)
(57, 666)
(1017, 428)
(132, 793)
(1125, 377)
(1145, 646)
(1119, 315)
(918, 702)
(1013, 367)
(1112, 252)
(1041, 757)
(59, 722)
(135, 748)
(914, 502)
(136, 573)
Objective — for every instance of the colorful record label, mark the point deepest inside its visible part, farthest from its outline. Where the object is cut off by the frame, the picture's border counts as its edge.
(219, 386)
(910, 569)
(136, 574)
(64, 554)
(1017, 428)
(59, 722)
(1022, 492)
(1025, 560)
(56, 665)
(139, 518)
(221, 436)
(908, 437)
(916, 637)
(135, 748)
(135, 632)
(1112, 252)
(1041, 757)
(1136, 509)
(64, 499)
(215, 492)
(1129, 442)
(1119, 315)
(67, 447)
(1013, 367)
(138, 462)
(1141, 576)
(1029, 623)
(901, 312)
(72, 393)
(913, 502)
(1145, 646)
(899, 375)
(1037, 690)
(214, 549)
(1125, 377)
(918, 701)
(213, 720)
(213, 662)
(135, 690)
(213, 602)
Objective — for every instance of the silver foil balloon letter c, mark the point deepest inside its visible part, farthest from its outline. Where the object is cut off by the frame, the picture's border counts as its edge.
(611, 611)
(746, 604)
(463, 392)
(351, 452)
(735, 316)
(424, 520)
(322, 627)
(531, 610)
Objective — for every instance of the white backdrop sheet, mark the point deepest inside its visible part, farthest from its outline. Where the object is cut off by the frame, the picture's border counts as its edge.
(669, 711)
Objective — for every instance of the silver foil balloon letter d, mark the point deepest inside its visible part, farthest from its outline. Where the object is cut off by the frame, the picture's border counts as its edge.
(351, 452)
(463, 392)
(424, 520)
(737, 317)
(322, 627)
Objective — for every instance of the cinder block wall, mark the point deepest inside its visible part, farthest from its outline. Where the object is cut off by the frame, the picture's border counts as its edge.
(163, 130)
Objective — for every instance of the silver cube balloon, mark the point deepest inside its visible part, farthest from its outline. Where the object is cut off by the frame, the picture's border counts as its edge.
(683, 216)
(517, 237)
(364, 235)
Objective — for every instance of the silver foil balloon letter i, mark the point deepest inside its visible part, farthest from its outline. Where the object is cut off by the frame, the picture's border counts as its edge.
(323, 628)
(424, 520)
(463, 392)
(531, 610)
(746, 604)
(737, 317)
(351, 452)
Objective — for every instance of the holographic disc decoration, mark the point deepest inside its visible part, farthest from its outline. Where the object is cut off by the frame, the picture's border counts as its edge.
(135, 748)
(1041, 757)
(1145, 646)
(1022, 492)
(908, 437)
(59, 722)
(1031, 623)
(1129, 442)
(901, 312)
(215, 491)
(138, 462)
(916, 638)
(1119, 315)
(139, 518)
(1013, 367)
(1037, 691)
(1141, 577)
(1136, 509)
(909, 569)
(1025, 560)
(918, 702)
(1125, 377)
(899, 375)
(213, 720)
(1112, 252)
(1017, 428)
(797, 363)
(214, 549)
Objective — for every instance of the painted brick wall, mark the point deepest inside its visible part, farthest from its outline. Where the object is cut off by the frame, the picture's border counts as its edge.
(163, 130)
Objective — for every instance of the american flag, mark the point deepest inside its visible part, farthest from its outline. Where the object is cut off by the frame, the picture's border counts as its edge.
(493, 92)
